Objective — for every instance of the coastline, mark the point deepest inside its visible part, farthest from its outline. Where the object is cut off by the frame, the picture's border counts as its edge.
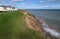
(37, 25)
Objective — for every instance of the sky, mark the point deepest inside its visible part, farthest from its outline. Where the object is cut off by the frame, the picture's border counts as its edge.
(32, 4)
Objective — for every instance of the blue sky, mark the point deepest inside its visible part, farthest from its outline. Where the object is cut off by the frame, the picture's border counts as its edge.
(32, 4)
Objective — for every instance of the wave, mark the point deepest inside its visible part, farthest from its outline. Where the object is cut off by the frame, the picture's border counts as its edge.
(49, 30)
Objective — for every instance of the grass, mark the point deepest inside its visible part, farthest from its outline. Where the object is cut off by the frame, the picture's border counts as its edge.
(12, 26)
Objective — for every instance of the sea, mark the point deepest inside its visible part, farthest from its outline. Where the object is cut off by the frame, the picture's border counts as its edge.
(50, 19)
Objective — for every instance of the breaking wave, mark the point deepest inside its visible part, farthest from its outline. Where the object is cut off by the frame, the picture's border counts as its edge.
(47, 29)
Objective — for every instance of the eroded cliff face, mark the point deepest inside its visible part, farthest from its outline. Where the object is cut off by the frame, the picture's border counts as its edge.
(35, 24)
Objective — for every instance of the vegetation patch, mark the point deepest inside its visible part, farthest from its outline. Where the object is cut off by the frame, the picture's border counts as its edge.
(13, 26)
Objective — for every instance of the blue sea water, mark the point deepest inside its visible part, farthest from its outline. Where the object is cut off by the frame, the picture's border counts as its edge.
(50, 16)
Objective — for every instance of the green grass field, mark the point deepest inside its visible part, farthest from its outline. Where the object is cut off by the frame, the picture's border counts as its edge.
(13, 26)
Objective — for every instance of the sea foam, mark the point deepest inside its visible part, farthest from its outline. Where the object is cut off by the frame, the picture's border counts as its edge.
(47, 29)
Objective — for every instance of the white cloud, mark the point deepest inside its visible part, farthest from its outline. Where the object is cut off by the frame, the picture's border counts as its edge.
(39, 7)
(51, 0)
(41, 2)
(56, 6)
(17, 0)
(4, 4)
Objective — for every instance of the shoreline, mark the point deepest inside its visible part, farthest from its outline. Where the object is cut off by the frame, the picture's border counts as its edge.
(38, 26)
(49, 29)
(35, 24)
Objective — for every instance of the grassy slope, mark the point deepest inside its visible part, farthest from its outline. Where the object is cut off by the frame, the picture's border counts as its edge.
(12, 26)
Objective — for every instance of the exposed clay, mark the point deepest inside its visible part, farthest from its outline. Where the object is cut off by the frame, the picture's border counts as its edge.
(36, 25)
(33, 23)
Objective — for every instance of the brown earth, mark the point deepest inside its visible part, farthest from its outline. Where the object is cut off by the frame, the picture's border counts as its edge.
(34, 24)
